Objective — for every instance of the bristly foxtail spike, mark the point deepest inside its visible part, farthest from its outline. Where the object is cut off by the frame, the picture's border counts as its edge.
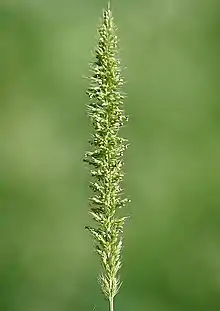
(106, 115)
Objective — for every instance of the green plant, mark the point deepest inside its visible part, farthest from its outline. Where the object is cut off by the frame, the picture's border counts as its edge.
(105, 110)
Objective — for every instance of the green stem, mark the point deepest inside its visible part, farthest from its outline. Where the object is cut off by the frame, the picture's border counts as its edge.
(111, 303)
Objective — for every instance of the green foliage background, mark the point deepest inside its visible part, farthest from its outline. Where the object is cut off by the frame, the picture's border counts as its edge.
(172, 242)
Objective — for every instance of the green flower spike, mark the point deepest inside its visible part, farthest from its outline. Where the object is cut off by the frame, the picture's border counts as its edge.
(105, 110)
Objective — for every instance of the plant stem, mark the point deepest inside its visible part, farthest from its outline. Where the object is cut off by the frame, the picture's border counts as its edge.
(111, 303)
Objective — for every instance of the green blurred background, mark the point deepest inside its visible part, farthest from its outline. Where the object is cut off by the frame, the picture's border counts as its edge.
(171, 257)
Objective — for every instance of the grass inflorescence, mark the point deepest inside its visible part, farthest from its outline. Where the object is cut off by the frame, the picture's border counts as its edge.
(106, 114)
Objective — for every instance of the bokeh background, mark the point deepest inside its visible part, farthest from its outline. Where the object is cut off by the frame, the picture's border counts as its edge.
(171, 257)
